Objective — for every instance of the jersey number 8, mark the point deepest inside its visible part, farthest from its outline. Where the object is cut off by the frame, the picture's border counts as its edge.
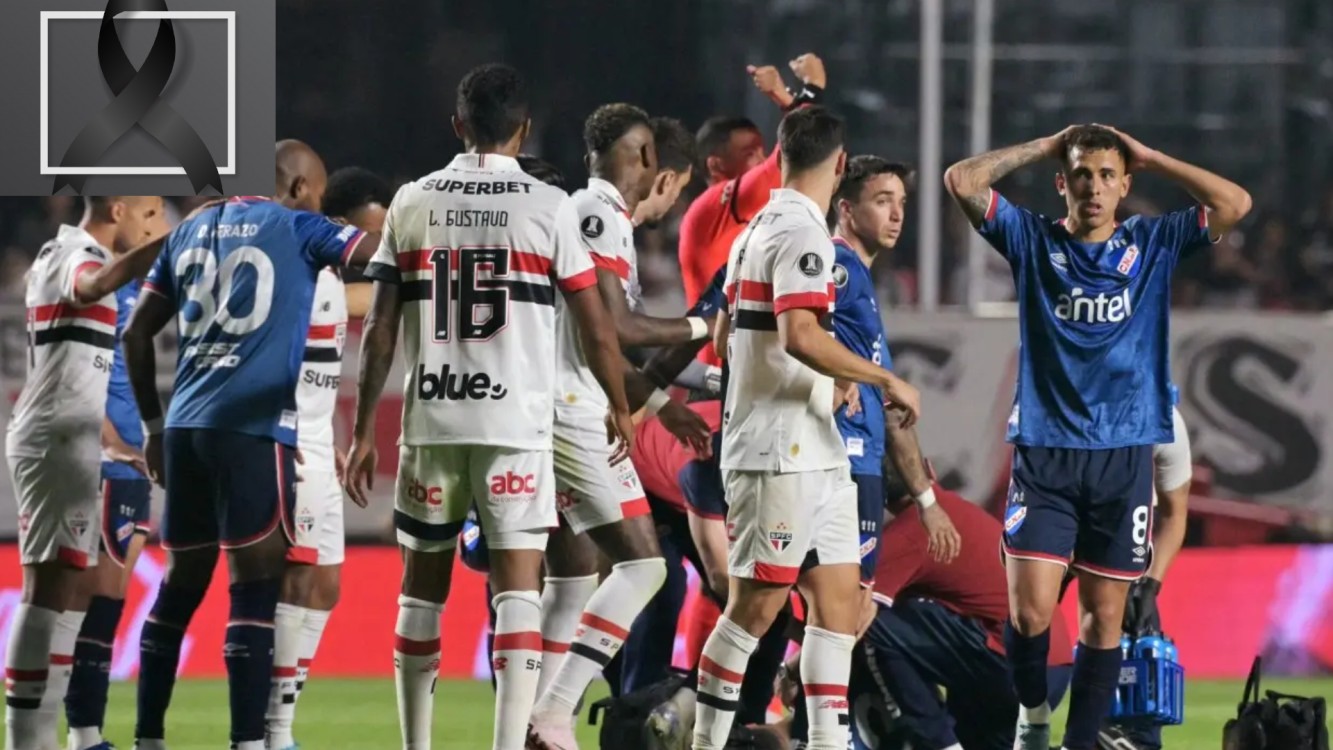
(483, 304)
(214, 308)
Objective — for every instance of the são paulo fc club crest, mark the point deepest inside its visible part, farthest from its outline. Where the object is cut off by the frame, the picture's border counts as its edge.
(592, 227)
(839, 275)
(780, 537)
(811, 264)
(305, 521)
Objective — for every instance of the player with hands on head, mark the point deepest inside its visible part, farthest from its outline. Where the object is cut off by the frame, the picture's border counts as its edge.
(1094, 391)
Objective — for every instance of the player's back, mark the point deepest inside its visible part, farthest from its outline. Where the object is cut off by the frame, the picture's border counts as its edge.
(242, 278)
(475, 248)
(69, 348)
(779, 412)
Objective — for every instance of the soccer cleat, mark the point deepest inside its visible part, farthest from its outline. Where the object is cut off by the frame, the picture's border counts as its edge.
(150, 744)
(1115, 738)
(671, 723)
(103, 745)
(546, 735)
(1032, 736)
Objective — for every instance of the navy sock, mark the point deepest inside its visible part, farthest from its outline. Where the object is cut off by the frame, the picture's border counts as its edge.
(249, 655)
(160, 653)
(1027, 663)
(1096, 673)
(85, 701)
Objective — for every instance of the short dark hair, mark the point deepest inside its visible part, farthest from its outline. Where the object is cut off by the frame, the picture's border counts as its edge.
(715, 133)
(351, 188)
(492, 103)
(860, 170)
(1093, 138)
(542, 170)
(808, 136)
(675, 145)
(609, 123)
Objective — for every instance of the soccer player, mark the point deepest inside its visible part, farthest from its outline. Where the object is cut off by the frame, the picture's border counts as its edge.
(1093, 391)
(941, 624)
(867, 214)
(54, 442)
(676, 158)
(788, 487)
(600, 495)
(717, 216)
(477, 416)
(368, 196)
(239, 278)
(310, 587)
(730, 145)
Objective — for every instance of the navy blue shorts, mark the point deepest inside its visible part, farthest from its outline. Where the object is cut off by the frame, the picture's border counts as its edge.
(226, 488)
(870, 514)
(1091, 508)
(125, 508)
(701, 484)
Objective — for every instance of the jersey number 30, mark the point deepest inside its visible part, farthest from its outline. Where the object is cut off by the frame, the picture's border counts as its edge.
(482, 305)
(214, 308)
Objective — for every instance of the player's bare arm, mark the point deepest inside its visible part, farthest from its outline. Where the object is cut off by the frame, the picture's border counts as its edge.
(682, 422)
(119, 451)
(669, 362)
(364, 250)
(1169, 532)
(970, 180)
(151, 315)
(809, 68)
(602, 350)
(904, 451)
(94, 285)
(803, 338)
(635, 329)
(379, 338)
(1226, 202)
(721, 331)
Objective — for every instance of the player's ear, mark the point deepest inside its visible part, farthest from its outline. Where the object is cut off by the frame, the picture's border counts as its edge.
(117, 211)
(713, 164)
(842, 163)
(297, 189)
(524, 130)
(1125, 184)
(661, 183)
(587, 161)
(458, 126)
(1060, 182)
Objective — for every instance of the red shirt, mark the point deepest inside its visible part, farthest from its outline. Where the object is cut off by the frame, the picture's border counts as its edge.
(973, 585)
(658, 456)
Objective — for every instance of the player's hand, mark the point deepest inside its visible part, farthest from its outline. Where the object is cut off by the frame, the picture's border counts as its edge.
(360, 471)
(1141, 615)
(1140, 156)
(687, 427)
(943, 542)
(849, 395)
(788, 680)
(810, 69)
(768, 80)
(340, 464)
(901, 395)
(124, 454)
(1054, 145)
(620, 433)
(153, 462)
(299, 458)
(868, 611)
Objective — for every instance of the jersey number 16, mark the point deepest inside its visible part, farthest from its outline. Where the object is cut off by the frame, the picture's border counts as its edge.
(482, 304)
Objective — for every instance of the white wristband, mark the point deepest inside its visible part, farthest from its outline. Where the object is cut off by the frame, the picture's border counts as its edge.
(698, 328)
(656, 401)
(153, 426)
(713, 379)
(925, 499)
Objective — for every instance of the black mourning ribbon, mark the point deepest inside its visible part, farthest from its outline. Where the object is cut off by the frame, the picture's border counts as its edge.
(137, 102)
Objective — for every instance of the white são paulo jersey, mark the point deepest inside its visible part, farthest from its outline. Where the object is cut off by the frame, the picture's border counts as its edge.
(779, 412)
(608, 234)
(70, 349)
(474, 249)
(321, 366)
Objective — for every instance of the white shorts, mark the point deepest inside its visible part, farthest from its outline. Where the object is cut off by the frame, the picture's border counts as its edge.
(514, 490)
(59, 505)
(318, 536)
(1172, 464)
(775, 520)
(590, 492)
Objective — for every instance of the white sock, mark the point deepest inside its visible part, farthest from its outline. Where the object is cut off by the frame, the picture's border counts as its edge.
(826, 665)
(282, 690)
(517, 663)
(602, 629)
(563, 601)
(954, 746)
(82, 738)
(63, 638)
(248, 745)
(721, 671)
(27, 664)
(416, 662)
(312, 630)
(1036, 715)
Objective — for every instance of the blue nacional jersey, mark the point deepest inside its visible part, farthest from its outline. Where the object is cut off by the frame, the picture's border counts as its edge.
(859, 327)
(242, 277)
(1094, 326)
(712, 301)
(121, 409)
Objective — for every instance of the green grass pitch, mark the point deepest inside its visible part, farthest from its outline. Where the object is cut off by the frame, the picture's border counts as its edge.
(361, 714)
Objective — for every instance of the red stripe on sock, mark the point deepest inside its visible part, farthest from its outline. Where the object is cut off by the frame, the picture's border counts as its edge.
(719, 671)
(284, 671)
(26, 675)
(815, 688)
(416, 648)
(62, 660)
(604, 625)
(302, 662)
(554, 647)
(528, 641)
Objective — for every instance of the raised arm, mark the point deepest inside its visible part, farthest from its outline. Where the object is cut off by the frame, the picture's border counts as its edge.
(93, 285)
(969, 181)
(635, 329)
